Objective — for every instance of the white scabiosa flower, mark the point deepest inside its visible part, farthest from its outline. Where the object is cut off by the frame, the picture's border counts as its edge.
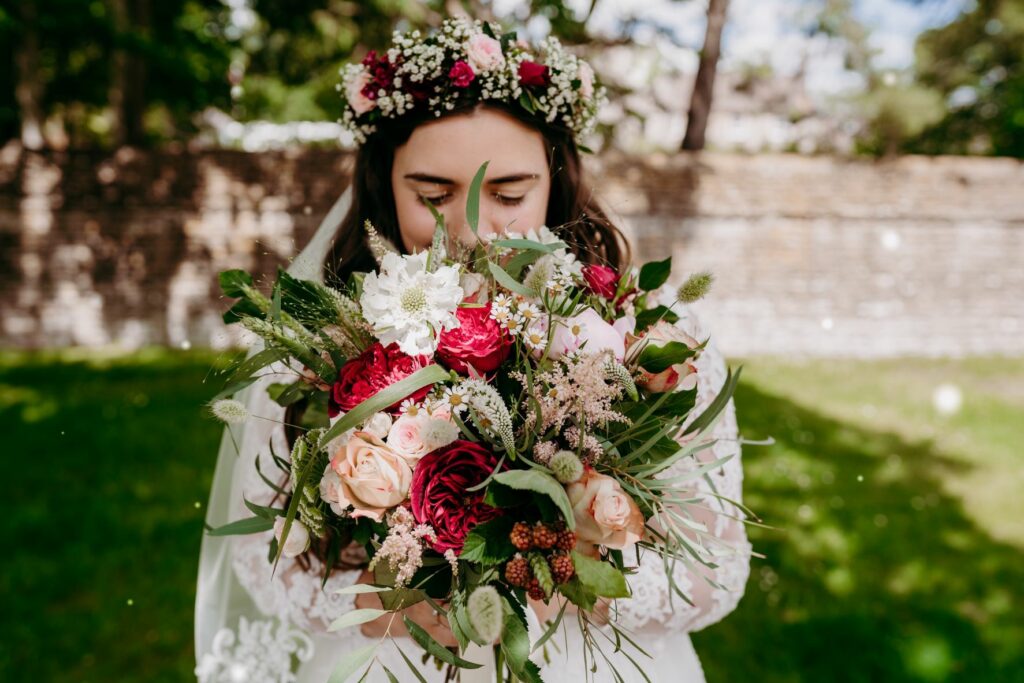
(229, 411)
(405, 303)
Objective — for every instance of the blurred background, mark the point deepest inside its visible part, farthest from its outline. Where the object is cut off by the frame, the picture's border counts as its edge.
(849, 169)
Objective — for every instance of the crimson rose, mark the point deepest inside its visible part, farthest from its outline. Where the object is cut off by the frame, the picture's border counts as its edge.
(438, 493)
(532, 73)
(461, 74)
(376, 368)
(479, 341)
(601, 280)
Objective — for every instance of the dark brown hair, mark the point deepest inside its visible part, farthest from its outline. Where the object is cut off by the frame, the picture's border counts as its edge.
(573, 214)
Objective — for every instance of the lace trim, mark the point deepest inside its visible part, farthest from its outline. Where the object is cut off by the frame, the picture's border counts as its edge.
(263, 651)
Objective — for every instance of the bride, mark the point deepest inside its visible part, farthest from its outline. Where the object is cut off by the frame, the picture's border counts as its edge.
(256, 625)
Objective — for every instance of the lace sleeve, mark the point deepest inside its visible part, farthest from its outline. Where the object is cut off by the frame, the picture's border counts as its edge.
(292, 593)
(654, 604)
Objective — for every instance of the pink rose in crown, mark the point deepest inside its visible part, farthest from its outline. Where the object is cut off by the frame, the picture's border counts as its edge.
(376, 368)
(479, 341)
(359, 102)
(484, 52)
(438, 495)
(461, 74)
(532, 73)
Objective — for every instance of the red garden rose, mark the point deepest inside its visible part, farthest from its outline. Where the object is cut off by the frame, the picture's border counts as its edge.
(376, 368)
(479, 341)
(532, 73)
(601, 280)
(438, 495)
(461, 74)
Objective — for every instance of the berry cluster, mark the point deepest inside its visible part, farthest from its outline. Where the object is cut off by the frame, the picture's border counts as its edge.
(547, 562)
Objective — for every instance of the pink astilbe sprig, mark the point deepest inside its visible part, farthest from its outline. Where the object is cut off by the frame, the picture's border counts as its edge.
(402, 549)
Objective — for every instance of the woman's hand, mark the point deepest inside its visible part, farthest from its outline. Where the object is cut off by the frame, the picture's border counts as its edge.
(421, 613)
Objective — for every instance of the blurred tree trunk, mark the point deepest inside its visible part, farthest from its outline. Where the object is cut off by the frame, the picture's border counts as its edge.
(128, 80)
(29, 89)
(703, 87)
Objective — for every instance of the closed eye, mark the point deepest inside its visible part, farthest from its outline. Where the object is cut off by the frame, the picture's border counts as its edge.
(508, 201)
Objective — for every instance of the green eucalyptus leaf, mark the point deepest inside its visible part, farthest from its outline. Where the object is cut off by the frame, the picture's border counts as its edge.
(473, 201)
(600, 577)
(542, 483)
(655, 274)
(356, 617)
(351, 662)
(242, 527)
(434, 648)
(507, 281)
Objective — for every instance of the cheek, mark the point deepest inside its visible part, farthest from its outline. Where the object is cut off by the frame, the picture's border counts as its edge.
(531, 214)
(415, 223)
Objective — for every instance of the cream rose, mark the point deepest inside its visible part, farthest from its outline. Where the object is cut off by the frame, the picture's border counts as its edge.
(298, 537)
(681, 376)
(372, 478)
(413, 436)
(484, 53)
(604, 514)
(359, 102)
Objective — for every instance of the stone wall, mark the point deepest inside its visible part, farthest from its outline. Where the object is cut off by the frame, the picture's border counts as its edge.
(813, 255)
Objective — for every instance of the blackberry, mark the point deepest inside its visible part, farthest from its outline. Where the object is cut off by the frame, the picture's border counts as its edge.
(521, 536)
(544, 537)
(566, 540)
(517, 571)
(534, 590)
(562, 568)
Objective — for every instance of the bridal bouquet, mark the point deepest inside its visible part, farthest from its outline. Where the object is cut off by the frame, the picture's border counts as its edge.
(490, 422)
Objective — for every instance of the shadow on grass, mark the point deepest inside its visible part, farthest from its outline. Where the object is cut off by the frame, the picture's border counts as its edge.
(877, 575)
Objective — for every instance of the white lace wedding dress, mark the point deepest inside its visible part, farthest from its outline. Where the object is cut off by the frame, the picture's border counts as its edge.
(252, 627)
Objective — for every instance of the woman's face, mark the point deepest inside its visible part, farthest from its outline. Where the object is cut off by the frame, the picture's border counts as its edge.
(439, 161)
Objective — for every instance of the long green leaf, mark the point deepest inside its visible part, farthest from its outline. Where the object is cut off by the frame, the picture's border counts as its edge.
(522, 243)
(360, 588)
(508, 282)
(241, 527)
(473, 201)
(412, 667)
(255, 362)
(356, 617)
(434, 648)
(351, 662)
(431, 374)
(712, 411)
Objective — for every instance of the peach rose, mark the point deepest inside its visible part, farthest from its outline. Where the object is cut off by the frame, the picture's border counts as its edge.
(372, 478)
(359, 102)
(681, 376)
(604, 514)
(484, 53)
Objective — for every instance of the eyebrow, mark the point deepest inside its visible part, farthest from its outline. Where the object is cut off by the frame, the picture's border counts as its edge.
(514, 178)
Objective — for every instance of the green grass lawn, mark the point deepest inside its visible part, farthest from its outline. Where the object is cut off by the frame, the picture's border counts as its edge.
(898, 553)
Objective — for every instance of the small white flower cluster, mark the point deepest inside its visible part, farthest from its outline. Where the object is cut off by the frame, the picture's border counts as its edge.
(486, 408)
(468, 60)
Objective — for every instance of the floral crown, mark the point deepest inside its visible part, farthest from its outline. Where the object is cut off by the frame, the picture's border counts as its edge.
(469, 61)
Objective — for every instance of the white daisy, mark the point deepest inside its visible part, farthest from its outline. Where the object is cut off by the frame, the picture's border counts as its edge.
(407, 304)
(455, 399)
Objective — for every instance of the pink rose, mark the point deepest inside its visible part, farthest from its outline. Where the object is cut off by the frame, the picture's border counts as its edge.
(532, 73)
(586, 75)
(376, 368)
(479, 341)
(439, 497)
(604, 514)
(413, 436)
(589, 331)
(484, 52)
(359, 102)
(681, 376)
(461, 74)
(372, 478)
